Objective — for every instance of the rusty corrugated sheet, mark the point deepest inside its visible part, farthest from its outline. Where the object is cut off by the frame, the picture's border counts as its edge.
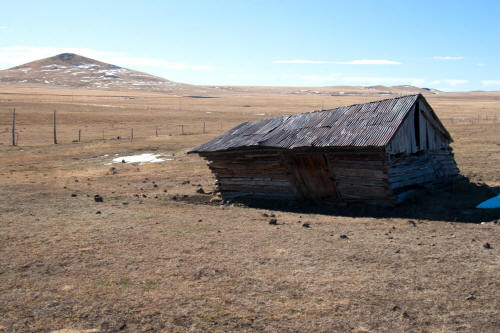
(362, 125)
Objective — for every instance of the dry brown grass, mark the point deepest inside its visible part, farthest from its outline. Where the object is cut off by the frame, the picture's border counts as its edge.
(157, 264)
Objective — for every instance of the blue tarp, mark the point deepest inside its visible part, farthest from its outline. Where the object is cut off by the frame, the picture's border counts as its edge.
(490, 203)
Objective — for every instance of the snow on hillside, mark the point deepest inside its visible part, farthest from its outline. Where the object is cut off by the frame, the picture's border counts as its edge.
(71, 70)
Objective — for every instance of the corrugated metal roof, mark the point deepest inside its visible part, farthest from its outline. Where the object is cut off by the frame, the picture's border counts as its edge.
(361, 125)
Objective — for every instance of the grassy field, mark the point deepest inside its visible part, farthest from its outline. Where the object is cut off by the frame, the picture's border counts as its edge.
(157, 256)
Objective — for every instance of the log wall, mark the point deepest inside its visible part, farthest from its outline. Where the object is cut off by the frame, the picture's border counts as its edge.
(373, 177)
(256, 173)
(410, 172)
(359, 176)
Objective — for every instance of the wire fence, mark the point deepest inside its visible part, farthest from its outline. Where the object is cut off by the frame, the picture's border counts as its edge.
(30, 134)
(479, 119)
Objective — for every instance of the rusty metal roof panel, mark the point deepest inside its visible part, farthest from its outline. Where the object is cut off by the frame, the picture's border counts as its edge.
(361, 125)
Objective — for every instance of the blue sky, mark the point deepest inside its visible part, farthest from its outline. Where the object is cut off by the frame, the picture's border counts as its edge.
(448, 45)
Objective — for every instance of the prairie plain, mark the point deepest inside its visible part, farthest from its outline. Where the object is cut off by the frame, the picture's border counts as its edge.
(158, 256)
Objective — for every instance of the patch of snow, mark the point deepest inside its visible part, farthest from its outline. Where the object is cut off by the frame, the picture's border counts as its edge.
(87, 66)
(106, 105)
(142, 158)
(112, 71)
(260, 114)
(490, 203)
(76, 73)
(45, 81)
(54, 66)
(208, 112)
(25, 69)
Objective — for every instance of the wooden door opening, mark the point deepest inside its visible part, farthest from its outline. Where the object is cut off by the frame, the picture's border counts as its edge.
(312, 177)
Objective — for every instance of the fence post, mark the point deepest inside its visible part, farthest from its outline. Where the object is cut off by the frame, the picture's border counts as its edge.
(79, 134)
(203, 127)
(156, 131)
(55, 133)
(182, 129)
(103, 134)
(14, 127)
(131, 134)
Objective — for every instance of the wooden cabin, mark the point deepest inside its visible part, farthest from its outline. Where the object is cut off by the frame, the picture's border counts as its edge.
(380, 152)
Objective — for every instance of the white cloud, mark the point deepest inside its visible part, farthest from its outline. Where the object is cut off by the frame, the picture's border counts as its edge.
(337, 79)
(368, 62)
(17, 55)
(480, 64)
(3, 27)
(383, 80)
(448, 58)
(351, 62)
(449, 82)
(488, 83)
(455, 83)
(301, 61)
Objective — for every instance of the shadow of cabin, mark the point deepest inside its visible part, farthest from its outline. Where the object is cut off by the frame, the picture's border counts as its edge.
(453, 202)
(383, 152)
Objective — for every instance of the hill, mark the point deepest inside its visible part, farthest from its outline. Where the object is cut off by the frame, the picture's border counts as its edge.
(75, 71)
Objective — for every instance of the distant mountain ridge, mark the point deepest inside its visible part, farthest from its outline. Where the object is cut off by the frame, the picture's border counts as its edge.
(72, 71)
(75, 71)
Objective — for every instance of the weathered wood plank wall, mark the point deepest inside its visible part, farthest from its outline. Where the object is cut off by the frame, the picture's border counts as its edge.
(355, 176)
(359, 175)
(431, 135)
(257, 173)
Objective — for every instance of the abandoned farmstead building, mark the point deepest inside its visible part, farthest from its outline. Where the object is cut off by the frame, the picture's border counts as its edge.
(379, 152)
